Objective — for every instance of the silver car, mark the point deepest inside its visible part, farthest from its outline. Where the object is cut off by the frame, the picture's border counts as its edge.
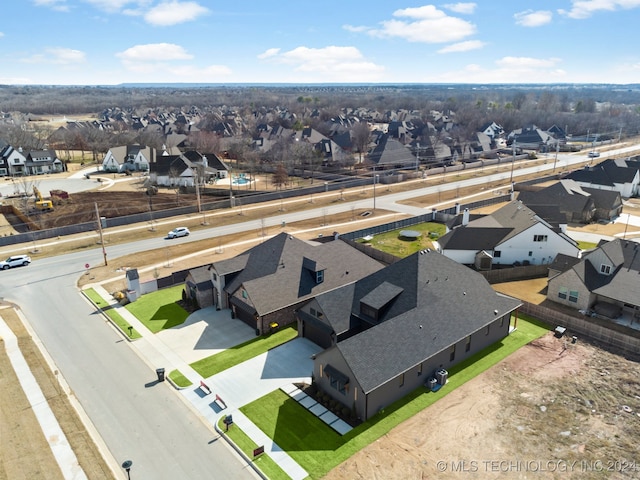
(15, 261)
(178, 232)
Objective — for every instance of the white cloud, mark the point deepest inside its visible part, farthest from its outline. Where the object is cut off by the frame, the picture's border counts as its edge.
(57, 56)
(166, 60)
(113, 5)
(1, 34)
(58, 5)
(355, 29)
(463, 46)
(466, 8)
(174, 12)
(586, 8)
(154, 52)
(271, 52)
(328, 63)
(425, 24)
(526, 62)
(529, 18)
(474, 73)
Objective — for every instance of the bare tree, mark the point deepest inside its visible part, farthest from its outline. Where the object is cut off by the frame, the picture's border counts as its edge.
(280, 176)
(360, 134)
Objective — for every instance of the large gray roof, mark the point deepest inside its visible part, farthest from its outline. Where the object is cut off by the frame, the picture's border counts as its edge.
(276, 273)
(433, 303)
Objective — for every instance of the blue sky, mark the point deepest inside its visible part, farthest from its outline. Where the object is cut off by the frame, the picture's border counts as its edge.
(108, 42)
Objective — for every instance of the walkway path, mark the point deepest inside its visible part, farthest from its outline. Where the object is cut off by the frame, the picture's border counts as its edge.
(51, 429)
(236, 386)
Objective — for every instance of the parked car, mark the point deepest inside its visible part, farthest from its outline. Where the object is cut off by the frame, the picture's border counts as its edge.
(178, 232)
(594, 154)
(15, 261)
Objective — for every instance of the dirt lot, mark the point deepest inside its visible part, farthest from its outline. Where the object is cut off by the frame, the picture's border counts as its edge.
(550, 410)
(25, 452)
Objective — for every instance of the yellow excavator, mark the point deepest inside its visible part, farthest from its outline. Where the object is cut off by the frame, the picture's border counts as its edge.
(42, 204)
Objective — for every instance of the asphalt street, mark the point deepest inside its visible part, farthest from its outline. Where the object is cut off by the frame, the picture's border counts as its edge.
(138, 418)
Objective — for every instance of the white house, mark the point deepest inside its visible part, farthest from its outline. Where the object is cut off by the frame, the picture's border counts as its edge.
(615, 175)
(12, 161)
(128, 158)
(514, 234)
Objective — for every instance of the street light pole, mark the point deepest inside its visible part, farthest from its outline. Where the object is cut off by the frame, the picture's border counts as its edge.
(375, 180)
(127, 467)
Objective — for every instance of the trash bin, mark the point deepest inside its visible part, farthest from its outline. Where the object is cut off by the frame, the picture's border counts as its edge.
(160, 373)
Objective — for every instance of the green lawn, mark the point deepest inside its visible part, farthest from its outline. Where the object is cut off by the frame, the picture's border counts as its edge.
(244, 443)
(235, 355)
(393, 243)
(159, 310)
(586, 245)
(318, 448)
(112, 313)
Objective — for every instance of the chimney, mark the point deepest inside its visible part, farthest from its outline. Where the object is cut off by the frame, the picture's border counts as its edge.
(465, 217)
(457, 208)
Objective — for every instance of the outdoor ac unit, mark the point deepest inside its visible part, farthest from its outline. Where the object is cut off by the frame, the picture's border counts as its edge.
(431, 383)
(441, 376)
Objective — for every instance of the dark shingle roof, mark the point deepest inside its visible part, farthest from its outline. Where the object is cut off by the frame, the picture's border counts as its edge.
(437, 302)
(470, 238)
(276, 274)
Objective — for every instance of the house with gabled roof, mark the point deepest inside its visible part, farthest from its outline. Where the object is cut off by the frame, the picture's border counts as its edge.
(181, 170)
(609, 175)
(389, 332)
(266, 284)
(575, 204)
(606, 280)
(128, 158)
(513, 234)
(12, 160)
(390, 153)
(39, 162)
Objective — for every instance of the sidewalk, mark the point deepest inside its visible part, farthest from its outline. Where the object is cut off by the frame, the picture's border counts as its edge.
(60, 447)
(158, 354)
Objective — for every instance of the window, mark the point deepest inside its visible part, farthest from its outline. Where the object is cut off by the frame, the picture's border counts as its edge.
(501, 322)
(497, 254)
(467, 346)
(320, 276)
(539, 238)
(312, 311)
(562, 293)
(244, 294)
(606, 269)
(487, 330)
(530, 253)
(401, 379)
(419, 369)
(452, 353)
(573, 296)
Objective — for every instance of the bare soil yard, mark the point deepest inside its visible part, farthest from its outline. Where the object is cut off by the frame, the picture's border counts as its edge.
(552, 410)
(24, 451)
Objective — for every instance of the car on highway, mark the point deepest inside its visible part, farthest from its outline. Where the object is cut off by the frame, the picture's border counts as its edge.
(178, 232)
(15, 261)
(594, 154)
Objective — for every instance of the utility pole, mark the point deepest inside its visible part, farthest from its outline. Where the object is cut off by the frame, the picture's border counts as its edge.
(556, 160)
(513, 162)
(104, 251)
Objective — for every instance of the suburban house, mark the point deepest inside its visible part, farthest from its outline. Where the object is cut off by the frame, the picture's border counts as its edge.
(128, 158)
(576, 203)
(390, 153)
(265, 285)
(185, 169)
(389, 332)
(12, 160)
(39, 162)
(606, 280)
(613, 175)
(512, 235)
(532, 138)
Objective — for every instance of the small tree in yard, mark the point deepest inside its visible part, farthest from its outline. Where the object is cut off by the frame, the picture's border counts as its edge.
(280, 176)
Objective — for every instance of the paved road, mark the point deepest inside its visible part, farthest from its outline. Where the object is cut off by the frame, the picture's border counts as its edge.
(138, 418)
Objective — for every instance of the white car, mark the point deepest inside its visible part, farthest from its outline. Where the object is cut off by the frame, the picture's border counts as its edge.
(15, 261)
(178, 232)
(594, 154)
